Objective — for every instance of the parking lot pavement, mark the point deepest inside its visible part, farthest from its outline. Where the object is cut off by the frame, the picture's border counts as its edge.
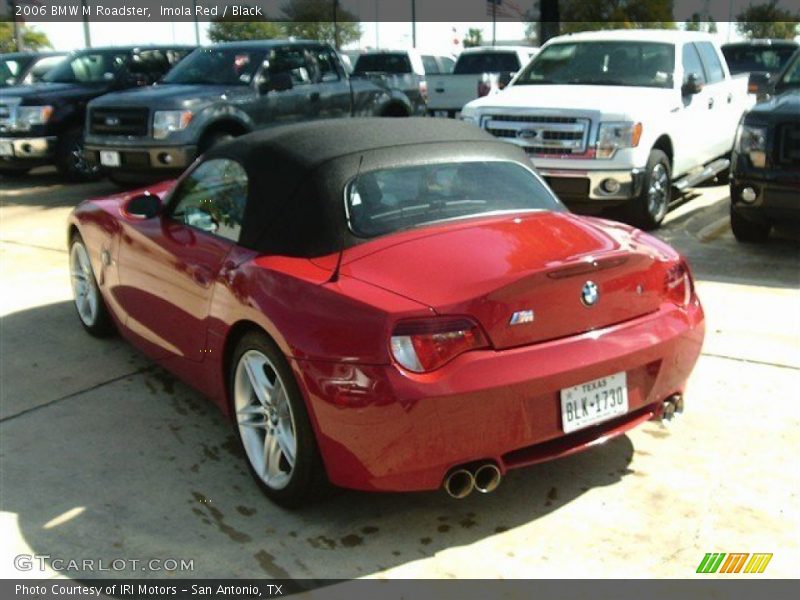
(104, 456)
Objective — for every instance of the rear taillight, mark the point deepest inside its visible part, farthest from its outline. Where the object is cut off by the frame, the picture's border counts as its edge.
(423, 90)
(426, 344)
(483, 89)
(678, 284)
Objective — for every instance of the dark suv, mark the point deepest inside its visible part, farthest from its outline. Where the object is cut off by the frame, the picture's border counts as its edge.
(24, 68)
(42, 124)
(765, 166)
(228, 89)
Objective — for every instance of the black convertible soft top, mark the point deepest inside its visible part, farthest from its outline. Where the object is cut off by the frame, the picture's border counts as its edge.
(297, 173)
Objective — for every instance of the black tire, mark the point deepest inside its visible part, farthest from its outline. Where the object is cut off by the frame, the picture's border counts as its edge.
(99, 323)
(10, 173)
(307, 480)
(213, 138)
(649, 209)
(748, 232)
(70, 160)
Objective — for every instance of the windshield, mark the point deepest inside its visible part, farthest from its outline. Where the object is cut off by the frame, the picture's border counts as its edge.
(393, 199)
(486, 62)
(635, 64)
(89, 67)
(11, 68)
(382, 63)
(217, 66)
(746, 59)
(792, 76)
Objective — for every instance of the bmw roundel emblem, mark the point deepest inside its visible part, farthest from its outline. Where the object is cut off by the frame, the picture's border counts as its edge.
(590, 293)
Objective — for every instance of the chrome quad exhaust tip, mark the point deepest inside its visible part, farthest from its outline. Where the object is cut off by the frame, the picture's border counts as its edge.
(459, 484)
(487, 478)
(673, 406)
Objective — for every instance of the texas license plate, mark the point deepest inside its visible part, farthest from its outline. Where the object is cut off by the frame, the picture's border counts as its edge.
(6, 148)
(593, 402)
(109, 158)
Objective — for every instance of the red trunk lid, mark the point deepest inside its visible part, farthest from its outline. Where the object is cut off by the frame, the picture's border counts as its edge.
(538, 262)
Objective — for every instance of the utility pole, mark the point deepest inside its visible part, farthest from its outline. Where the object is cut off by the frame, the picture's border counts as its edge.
(335, 25)
(494, 22)
(196, 24)
(87, 38)
(548, 20)
(377, 28)
(18, 41)
(414, 23)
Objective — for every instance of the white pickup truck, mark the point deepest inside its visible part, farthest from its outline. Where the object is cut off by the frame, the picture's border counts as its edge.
(617, 119)
(477, 72)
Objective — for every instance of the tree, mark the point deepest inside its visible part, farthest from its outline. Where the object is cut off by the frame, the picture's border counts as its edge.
(473, 38)
(698, 23)
(579, 15)
(767, 21)
(314, 20)
(32, 38)
(231, 31)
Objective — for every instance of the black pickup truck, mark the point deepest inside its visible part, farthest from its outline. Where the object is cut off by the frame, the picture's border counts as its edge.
(765, 165)
(24, 68)
(43, 123)
(225, 90)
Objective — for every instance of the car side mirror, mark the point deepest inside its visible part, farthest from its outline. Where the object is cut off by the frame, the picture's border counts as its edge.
(143, 206)
(505, 78)
(692, 85)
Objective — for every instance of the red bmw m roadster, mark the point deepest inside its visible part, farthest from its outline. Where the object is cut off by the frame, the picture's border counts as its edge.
(389, 305)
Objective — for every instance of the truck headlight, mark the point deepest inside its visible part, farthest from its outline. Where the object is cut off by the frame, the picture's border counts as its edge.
(27, 116)
(752, 141)
(167, 121)
(615, 135)
(469, 118)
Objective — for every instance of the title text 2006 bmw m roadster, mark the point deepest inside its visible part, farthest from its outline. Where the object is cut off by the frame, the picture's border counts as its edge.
(390, 305)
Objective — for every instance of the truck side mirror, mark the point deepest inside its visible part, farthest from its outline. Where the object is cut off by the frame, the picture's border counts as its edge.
(280, 82)
(758, 84)
(692, 85)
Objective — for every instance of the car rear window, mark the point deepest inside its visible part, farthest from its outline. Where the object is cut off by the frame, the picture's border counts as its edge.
(745, 59)
(383, 63)
(486, 62)
(387, 200)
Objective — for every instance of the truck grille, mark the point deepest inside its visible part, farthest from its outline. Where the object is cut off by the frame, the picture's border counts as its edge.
(119, 121)
(541, 134)
(789, 144)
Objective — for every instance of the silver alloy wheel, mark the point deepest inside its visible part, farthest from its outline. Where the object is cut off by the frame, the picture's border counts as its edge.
(658, 192)
(84, 288)
(265, 419)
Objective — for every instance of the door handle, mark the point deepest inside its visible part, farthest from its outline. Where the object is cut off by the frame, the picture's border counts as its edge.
(710, 103)
(439, 90)
(730, 98)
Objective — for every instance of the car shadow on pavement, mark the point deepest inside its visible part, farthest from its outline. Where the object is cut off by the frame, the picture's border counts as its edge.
(135, 465)
(47, 188)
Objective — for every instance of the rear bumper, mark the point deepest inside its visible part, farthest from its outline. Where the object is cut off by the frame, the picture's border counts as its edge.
(28, 151)
(144, 160)
(601, 188)
(382, 429)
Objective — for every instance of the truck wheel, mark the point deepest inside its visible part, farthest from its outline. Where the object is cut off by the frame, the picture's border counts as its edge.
(649, 209)
(70, 161)
(747, 231)
(212, 139)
